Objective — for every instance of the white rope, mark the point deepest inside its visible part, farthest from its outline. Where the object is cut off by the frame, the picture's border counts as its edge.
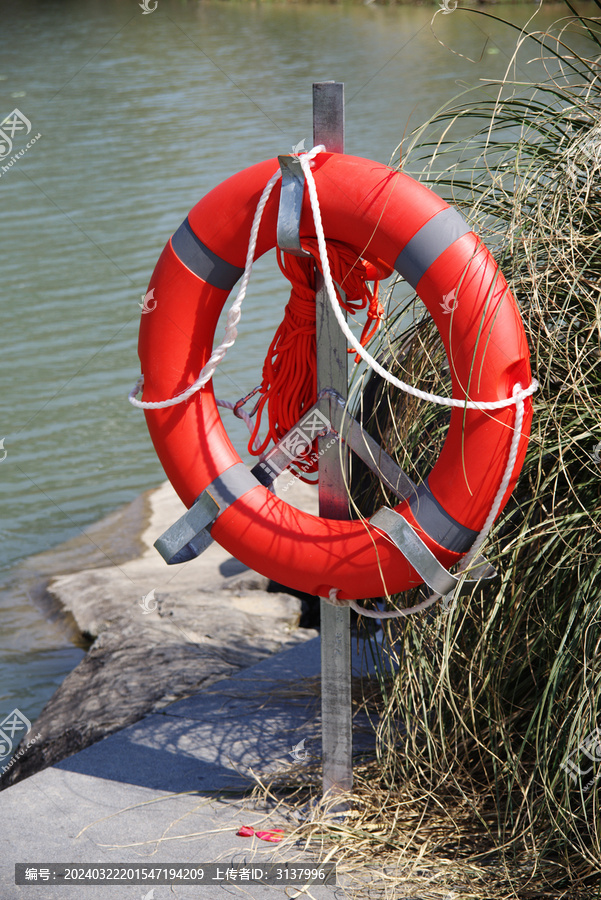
(233, 316)
(376, 613)
(513, 452)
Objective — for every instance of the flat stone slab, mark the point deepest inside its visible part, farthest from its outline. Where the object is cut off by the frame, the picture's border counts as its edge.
(159, 633)
(173, 788)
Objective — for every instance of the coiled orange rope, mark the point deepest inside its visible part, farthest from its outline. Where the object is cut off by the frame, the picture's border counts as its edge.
(289, 382)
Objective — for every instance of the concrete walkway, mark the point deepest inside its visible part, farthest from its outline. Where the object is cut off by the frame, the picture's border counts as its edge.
(147, 795)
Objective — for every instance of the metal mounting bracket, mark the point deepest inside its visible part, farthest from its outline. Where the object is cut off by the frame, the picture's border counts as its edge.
(364, 445)
(291, 204)
(421, 558)
(330, 416)
(191, 534)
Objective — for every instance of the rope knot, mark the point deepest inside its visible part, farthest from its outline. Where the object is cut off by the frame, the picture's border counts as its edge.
(309, 155)
(335, 600)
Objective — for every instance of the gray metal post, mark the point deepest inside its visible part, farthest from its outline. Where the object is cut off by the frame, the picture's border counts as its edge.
(336, 712)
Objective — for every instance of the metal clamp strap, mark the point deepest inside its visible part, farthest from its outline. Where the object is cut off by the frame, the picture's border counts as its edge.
(367, 449)
(330, 416)
(421, 558)
(291, 204)
(190, 535)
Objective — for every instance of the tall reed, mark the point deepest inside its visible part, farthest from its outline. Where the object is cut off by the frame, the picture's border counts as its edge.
(489, 701)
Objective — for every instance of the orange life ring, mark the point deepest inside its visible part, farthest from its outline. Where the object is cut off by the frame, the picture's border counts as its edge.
(384, 215)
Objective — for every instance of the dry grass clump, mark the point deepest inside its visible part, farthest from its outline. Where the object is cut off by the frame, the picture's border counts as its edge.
(479, 708)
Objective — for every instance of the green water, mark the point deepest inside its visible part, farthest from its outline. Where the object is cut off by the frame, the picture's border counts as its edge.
(139, 116)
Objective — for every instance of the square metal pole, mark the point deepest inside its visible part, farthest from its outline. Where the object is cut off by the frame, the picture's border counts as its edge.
(332, 372)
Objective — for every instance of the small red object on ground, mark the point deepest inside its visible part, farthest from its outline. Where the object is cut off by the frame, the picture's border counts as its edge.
(273, 836)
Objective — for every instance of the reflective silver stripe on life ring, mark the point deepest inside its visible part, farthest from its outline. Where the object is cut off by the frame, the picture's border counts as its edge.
(202, 261)
(428, 243)
(438, 523)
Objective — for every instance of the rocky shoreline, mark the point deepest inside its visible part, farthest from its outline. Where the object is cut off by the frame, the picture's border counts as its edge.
(159, 633)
